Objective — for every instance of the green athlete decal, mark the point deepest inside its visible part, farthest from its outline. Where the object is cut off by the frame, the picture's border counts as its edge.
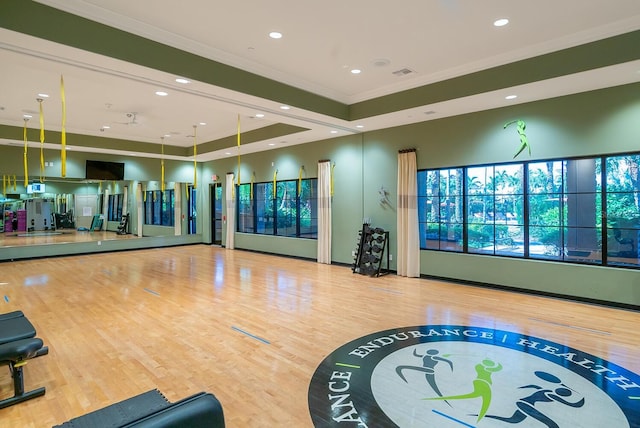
(481, 386)
(524, 143)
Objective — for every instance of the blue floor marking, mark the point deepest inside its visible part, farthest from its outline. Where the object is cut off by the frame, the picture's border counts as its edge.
(6, 299)
(152, 292)
(251, 335)
(452, 418)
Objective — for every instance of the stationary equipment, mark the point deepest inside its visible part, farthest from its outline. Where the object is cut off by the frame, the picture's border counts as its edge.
(124, 225)
(39, 214)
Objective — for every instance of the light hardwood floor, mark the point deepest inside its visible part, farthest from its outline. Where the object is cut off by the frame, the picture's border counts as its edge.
(122, 323)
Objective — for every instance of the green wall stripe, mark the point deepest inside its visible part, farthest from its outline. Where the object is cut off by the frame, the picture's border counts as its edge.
(606, 52)
(261, 134)
(89, 141)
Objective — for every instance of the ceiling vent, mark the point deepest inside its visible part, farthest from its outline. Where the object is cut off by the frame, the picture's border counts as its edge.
(403, 72)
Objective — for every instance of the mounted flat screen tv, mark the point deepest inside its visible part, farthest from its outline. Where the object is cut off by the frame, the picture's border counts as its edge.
(100, 170)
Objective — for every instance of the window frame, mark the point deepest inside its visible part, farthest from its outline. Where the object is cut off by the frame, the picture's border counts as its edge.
(262, 215)
(583, 193)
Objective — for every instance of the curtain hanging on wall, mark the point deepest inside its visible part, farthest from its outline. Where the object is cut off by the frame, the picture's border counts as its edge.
(324, 212)
(140, 208)
(231, 212)
(177, 209)
(408, 263)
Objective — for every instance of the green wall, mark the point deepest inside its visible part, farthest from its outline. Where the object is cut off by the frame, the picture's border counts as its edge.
(592, 123)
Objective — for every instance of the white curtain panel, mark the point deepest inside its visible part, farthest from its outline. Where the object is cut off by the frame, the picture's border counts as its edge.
(125, 200)
(408, 262)
(324, 212)
(140, 208)
(177, 209)
(231, 212)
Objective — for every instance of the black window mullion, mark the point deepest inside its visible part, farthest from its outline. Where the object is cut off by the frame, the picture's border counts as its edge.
(525, 209)
(604, 230)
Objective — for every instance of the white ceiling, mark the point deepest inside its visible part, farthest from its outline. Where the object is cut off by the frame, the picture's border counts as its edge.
(321, 43)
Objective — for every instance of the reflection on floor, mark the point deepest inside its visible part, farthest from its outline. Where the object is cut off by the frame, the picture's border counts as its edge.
(60, 236)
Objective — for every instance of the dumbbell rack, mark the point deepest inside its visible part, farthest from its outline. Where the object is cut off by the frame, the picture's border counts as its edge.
(370, 251)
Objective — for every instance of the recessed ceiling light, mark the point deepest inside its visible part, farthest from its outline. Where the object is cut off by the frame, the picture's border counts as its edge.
(510, 97)
(167, 135)
(285, 107)
(43, 95)
(359, 126)
(272, 144)
(356, 71)
(203, 123)
(27, 116)
(381, 62)
(501, 22)
(334, 132)
(161, 93)
(106, 127)
(275, 35)
(182, 80)
(259, 115)
(227, 153)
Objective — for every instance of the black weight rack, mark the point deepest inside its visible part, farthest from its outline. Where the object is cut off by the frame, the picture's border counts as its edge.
(370, 252)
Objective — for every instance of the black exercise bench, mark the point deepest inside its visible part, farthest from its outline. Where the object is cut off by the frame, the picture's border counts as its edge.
(17, 345)
(152, 409)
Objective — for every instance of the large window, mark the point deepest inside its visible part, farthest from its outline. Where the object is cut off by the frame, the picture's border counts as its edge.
(291, 211)
(114, 208)
(577, 210)
(308, 209)
(159, 207)
(441, 208)
(622, 209)
(565, 206)
(245, 209)
(495, 209)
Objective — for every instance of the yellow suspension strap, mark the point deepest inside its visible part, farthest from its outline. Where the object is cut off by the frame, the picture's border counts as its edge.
(26, 168)
(331, 185)
(15, 183)
(275, 176)
(300, 171)
(238, 181)
(195, 153)
(41, 140)
(63, 132)
(162, 167)
(4, 185)
(253, 179)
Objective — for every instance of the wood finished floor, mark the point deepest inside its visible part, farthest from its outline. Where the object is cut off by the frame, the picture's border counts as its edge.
(122, 323)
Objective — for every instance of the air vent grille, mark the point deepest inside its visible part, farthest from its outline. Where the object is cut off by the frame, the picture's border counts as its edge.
(403, 72)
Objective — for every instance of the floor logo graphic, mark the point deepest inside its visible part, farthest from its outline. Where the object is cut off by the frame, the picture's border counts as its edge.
(445, 376)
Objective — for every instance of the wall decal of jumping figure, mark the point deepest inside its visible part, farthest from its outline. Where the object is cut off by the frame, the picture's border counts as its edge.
(524, 142)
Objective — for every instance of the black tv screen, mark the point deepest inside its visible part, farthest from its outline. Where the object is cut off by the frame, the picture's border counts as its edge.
(100, 170)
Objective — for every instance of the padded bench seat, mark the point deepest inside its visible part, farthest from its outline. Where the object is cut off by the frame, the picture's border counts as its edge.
(17, 345)
(15, 326)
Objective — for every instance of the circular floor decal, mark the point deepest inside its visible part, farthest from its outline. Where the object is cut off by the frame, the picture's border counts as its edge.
(460, 376)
